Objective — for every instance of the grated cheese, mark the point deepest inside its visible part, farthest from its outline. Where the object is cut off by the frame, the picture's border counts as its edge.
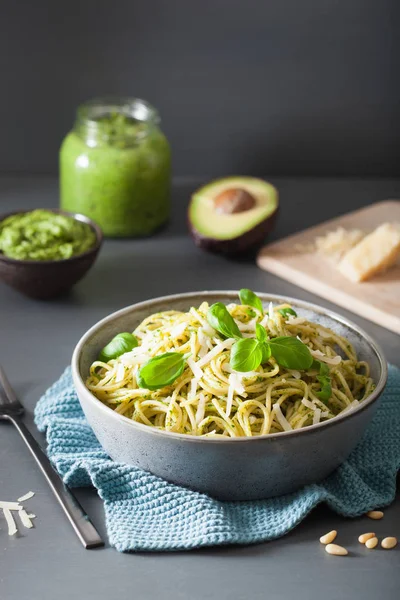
(178, 330)
(352, 405)
(215, 351)
(27, 496)
(130, 359)
(248, 327)
(197, 372)
(193, 388)
(25, 520)
(10, 506)
(335, 244)
(294, 373)
(120, 375)
(281, 418)
(309, 404)
(201, 409)
(295, 320)
(271, 314)
(231, 390)
(12, 528)
(335, 360)
(317, 416)
(203, 343)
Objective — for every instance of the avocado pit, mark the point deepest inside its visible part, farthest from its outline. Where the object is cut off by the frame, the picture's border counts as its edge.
(233, 200)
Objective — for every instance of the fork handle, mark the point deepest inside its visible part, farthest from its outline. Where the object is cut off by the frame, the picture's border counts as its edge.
(79, 520)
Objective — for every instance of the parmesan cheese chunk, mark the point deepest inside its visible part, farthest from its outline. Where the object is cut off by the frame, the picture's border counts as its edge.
(375, 253)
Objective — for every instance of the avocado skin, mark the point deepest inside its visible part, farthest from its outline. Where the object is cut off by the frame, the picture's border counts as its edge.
(243, 243)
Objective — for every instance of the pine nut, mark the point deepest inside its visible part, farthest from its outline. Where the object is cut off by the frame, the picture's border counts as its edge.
(371, 543)
(389, 543)
(328, 537)
(375, 514)
(365, 537)
(336, 550)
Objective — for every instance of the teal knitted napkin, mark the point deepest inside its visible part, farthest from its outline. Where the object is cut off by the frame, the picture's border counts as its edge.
(144, 512)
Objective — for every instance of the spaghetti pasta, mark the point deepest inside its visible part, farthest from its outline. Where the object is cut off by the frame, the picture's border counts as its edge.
(210, 398)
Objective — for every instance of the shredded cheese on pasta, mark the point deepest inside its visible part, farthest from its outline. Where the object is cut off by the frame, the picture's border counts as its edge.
(209, 398)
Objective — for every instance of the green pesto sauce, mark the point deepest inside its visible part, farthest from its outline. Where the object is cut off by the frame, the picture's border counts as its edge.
(120, 178)
(44, 235)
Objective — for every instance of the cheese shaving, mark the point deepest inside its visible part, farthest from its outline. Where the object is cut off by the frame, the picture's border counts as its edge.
(25, 520)
(10, 505)
(309, 404)
(27, 496)
(193, 389)
(271, 314)
(330, 360)
(215, 351)
(281, 418)
(296, 320)
(178, 330)
(231, 390)
(317, 416)
(197, 372)
(201, 409)
(12, 528)
(294, 373)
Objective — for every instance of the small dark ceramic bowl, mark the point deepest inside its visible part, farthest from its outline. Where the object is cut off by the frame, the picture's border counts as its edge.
(234, 468)
(45, 279)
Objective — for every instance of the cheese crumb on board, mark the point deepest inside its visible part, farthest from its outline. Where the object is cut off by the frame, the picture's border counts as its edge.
(335, 244)
(375, 253)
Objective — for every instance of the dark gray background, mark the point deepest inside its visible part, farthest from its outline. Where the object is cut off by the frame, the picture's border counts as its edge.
(278, 87)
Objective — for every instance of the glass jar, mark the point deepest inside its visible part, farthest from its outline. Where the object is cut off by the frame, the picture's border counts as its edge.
(115, 167)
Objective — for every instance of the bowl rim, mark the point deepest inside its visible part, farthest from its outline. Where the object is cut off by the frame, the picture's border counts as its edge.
(265, 297)
(77, 216)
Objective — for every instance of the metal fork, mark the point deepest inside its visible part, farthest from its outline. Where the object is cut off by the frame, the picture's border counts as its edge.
(11, 410)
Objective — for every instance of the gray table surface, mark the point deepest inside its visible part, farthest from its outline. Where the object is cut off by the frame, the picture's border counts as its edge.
(37, 339)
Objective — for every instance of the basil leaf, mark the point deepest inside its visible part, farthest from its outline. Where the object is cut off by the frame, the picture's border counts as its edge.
(220, 319)
(249, 298)
(161, 370)
(291, 353)
(261, 334)
(246, 355)
(324, 379)
(323, 369)
(266, 352)
(326, 387)
(287, 311)
(121, 343)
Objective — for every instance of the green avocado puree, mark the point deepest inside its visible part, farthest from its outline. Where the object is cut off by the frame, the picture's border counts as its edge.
(44, 235)
(116, 170)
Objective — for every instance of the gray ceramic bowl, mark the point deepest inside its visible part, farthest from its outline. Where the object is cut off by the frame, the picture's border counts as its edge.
(229, 469)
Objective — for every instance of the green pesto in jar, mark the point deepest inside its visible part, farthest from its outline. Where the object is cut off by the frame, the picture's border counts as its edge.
(115, 167)
(44, 235)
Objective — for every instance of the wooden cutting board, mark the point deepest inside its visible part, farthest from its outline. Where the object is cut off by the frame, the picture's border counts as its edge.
(377, 299)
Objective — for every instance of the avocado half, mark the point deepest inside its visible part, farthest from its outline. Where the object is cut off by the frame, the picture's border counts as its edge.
(232, 215)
